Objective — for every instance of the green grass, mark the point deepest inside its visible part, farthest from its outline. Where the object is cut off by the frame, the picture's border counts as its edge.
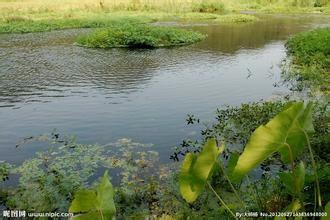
(41, 23)
(236, 18)
(139, 36)
(216, 18)
(310, 53)
(20, 25)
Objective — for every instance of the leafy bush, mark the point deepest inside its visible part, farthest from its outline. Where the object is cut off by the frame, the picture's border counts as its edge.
(139, 36)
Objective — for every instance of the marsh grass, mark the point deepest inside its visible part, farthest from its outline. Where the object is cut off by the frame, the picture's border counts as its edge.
(139, 36)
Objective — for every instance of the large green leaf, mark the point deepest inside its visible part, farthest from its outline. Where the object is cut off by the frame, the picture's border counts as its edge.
(282, 134)
(196, 169)
(95, 204)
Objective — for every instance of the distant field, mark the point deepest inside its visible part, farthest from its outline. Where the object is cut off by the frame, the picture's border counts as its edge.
(21, 16)
(10, 7)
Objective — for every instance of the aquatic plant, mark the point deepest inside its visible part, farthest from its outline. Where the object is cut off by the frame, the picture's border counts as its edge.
(139, 36)
(286, 133)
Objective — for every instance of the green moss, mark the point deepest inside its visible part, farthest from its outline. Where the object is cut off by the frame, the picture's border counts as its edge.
(139, 36)
(310, 63)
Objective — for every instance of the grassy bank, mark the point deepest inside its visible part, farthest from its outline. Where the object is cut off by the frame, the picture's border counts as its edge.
(16, 24)
(310, 59)
(17, 16)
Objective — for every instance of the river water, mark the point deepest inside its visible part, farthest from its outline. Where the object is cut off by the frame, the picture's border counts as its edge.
(46, 83)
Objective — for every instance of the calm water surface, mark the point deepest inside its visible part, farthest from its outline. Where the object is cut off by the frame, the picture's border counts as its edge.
(102, 95)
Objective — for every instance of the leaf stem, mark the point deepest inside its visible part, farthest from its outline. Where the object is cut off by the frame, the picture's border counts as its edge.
(314, 169)
(221, 201)
(291, 157)
(231, 185)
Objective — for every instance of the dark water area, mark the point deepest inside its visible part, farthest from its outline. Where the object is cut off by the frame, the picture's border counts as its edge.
(46, 83)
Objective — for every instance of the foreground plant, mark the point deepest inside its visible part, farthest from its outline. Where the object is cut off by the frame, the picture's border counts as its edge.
(95, 203)
(286, 134)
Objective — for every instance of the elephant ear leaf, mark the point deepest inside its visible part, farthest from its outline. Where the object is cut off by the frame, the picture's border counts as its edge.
(196, 169)
(285, 130)
(94, 204)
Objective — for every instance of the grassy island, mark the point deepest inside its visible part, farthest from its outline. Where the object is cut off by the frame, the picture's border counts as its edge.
(139, 36)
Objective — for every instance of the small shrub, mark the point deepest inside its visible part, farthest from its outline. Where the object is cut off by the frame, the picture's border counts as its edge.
(209, 7)
(321, 3)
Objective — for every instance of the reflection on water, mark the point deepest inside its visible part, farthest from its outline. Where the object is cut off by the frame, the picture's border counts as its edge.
(101, 95)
